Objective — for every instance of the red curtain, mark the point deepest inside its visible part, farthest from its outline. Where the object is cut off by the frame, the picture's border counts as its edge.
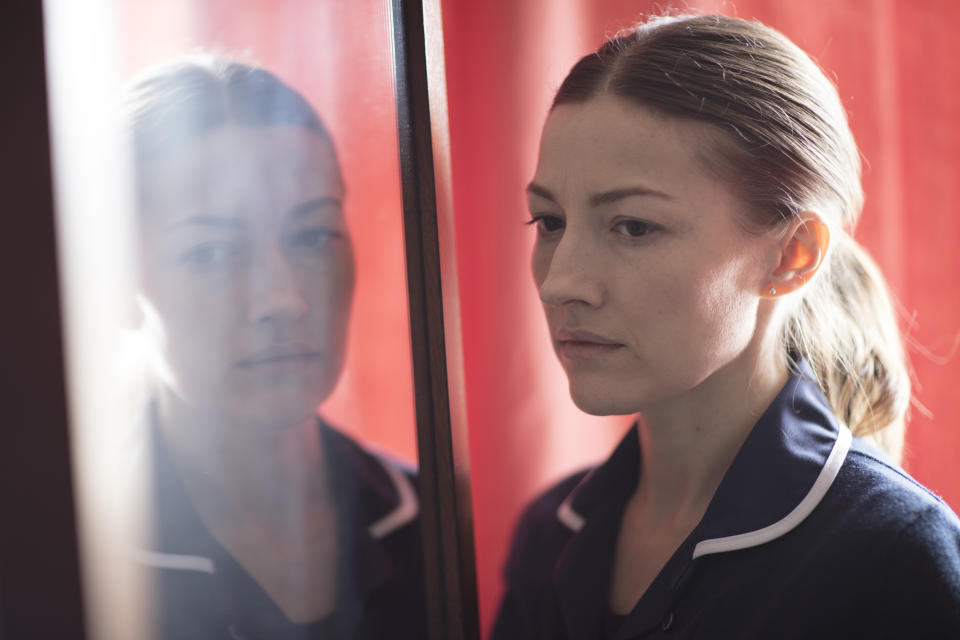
(895, 65)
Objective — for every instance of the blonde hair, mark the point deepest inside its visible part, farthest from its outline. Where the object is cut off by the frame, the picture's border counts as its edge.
(788, 149)
(187, 97)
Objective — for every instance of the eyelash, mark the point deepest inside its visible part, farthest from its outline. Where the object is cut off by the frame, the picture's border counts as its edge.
(540, 220)
(313, 238)
(208, 255)
(648, 227)
(220, 255)
(621, 227)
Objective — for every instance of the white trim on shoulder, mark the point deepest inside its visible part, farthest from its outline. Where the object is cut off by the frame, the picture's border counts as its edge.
(406, 510)
(176, 561)
(823, 482)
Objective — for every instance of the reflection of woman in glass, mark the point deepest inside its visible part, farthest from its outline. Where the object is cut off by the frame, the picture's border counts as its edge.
(269, 523)
(696, 187)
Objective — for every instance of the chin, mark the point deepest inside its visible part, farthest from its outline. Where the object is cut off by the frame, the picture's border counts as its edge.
(602, 401)
(276, 410)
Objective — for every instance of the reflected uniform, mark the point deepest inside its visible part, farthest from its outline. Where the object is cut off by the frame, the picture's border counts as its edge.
(812, 533)
(203, 593)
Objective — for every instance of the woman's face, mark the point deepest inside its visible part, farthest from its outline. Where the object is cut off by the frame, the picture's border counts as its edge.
(649, 284)
(248, 264)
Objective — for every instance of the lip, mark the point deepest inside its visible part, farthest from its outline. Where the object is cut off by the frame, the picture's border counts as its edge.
(574, 345)
(278, 355)
(579, 335)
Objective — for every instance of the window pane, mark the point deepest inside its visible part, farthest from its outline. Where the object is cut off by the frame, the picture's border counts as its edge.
(230, 224)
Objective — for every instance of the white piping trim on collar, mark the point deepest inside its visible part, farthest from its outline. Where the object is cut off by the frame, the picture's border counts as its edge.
(405, 512)
(761, 536)
(568, 516)
(565, 512)
(176, 561)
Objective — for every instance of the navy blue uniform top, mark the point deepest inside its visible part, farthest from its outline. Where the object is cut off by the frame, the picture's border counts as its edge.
(811, 534)
(202, 593)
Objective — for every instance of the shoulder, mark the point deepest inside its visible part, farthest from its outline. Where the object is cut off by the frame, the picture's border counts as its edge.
(370, 463)
(878, 557)
(910, 539)
(374, 489)
(540, 534)
(904, 529)
(376, 494)
(889, 493)
(538, 542)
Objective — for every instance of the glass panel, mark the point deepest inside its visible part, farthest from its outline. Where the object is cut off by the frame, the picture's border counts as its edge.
(232, 252)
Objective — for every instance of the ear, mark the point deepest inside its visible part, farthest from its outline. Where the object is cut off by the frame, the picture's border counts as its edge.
(802, 250)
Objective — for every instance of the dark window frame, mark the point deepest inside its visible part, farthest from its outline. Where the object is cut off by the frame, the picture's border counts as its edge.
(449, 557)
(40, 584)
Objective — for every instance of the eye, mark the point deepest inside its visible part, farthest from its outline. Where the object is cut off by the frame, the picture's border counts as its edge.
(634, 228)
(546, 223)
(312, 238)
(209, 255)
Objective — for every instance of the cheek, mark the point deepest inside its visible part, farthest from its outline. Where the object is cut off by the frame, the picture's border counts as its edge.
(200, 343)
(333, 297)
(194, 311)
(196, 320)
(658, 293)
(540, 258)
(727, 308)
(346, 275)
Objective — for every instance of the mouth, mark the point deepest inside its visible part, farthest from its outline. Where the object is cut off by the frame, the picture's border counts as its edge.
(584, 345)
(279, 356)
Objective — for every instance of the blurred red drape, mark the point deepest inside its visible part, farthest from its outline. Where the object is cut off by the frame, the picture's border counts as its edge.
(895, 65)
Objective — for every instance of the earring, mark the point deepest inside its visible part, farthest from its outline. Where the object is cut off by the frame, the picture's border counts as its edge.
(773, 291)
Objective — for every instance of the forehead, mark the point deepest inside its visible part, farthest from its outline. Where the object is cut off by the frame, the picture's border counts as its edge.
(609, 141)
(234, 166)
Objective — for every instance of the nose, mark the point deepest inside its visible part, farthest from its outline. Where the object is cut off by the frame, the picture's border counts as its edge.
(569, 274)
(275, 292)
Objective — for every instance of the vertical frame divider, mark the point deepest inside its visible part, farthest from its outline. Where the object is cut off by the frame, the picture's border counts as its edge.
(40, 587)
(446, 514)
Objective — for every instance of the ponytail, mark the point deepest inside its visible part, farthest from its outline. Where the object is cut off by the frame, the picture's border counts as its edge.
(845, 327)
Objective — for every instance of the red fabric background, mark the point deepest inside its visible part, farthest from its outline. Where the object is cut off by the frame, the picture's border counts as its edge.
(895, 65)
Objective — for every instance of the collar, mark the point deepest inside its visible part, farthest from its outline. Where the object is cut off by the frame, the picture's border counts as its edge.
(781, 473)
(370, 482)
(373, 496)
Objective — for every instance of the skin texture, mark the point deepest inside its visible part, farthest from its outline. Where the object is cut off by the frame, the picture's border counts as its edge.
(657, 298)
(246, 251)
(248, 267)
(669, 276)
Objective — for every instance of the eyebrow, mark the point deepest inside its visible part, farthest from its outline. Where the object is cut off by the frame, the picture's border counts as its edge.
(606, 197)
(299, 211)
(207, 221)
(614, 195)
(310, 206)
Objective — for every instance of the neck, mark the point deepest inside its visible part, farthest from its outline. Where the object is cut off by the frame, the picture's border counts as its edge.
(689, 443)
(234, 472)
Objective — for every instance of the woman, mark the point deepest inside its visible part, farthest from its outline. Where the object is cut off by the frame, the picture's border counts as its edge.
(268, 522)
(695, 193)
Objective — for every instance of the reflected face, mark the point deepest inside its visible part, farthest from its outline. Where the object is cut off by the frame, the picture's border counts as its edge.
(649, 284)
(248, 263)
